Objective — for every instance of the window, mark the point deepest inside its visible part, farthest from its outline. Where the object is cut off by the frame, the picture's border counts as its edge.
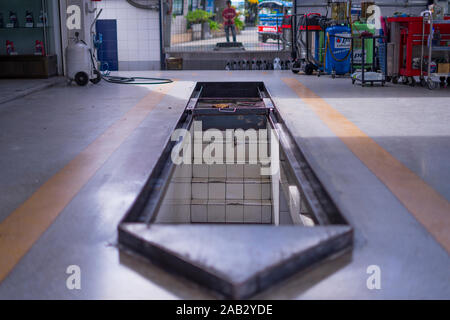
(194, 5)
(178, 7)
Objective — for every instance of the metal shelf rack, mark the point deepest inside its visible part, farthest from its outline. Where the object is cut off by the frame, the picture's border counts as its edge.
(430, 82)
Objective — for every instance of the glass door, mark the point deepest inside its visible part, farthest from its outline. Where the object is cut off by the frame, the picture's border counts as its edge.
(24, 28)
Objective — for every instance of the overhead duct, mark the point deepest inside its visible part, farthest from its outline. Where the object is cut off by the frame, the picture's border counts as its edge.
(145, 4)
(382, 3)
(388, 7)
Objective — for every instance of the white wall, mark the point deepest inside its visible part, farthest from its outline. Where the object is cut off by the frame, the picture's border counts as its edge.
(137, 34)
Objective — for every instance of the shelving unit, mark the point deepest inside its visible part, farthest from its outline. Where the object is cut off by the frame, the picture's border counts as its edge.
(366, 76)
(26, 64)
(430, 80)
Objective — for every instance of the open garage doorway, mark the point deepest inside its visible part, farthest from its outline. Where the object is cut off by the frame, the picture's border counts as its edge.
(209, 34)
(133, 35)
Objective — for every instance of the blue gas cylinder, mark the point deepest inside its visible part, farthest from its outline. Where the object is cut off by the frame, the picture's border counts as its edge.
(338, 49)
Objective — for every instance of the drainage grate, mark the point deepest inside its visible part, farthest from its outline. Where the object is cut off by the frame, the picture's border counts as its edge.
(229, 46)
(232, 203)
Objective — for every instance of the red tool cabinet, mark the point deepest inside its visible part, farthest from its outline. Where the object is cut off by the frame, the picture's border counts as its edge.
(411, 35)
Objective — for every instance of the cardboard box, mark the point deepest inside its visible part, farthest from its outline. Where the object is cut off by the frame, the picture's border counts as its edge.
(174, 63)
(443, 67)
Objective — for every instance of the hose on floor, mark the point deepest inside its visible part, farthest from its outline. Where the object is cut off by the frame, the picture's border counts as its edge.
(134, 80)
(105, 75)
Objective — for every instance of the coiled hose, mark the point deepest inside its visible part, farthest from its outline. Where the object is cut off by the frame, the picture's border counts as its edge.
(134, 80)
(126, 80)
(327, 49)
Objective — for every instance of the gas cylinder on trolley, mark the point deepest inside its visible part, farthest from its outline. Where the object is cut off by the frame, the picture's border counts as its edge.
(286, 30)
(79, 63)
(309, 30)
(338, 50)
(310, 44)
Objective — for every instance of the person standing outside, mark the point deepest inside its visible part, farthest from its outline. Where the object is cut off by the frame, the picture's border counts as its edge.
(229, 14)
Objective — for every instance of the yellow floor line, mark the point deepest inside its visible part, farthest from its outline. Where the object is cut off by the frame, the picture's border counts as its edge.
(23, 227)
(430, 208)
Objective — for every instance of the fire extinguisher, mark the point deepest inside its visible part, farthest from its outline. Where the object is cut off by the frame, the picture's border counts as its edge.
(39, 48)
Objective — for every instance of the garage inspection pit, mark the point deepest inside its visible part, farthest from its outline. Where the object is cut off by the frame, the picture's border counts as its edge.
(232, 203)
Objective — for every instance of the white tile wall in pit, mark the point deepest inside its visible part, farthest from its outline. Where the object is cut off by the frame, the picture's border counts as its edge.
(266, 190)
(179, 191)
(217, 200)
(248, 153)
(252, 212)
(234, 213)
(216, 211)
(266, 212)
(199, 211)
(251, 152)
(252, 171)
(225, 193)
(183, 172)
(200, 189)
(217, 171)
(200, 171)
(174, 212)
(176, 204)
(234, 190)
(216, 190)
(235, 171)
(252, 190)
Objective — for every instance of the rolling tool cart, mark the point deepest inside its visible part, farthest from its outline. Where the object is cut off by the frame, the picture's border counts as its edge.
(359, 28)
(362, 75)
(412, 37)
(309, 45)
(436, 42)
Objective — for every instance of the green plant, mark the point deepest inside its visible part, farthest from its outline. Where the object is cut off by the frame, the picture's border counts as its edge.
(239, 24)
(198, 16)
(214, 26)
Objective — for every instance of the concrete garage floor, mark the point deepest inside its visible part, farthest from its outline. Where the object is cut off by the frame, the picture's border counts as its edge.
(11, 89)
(73, 159)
